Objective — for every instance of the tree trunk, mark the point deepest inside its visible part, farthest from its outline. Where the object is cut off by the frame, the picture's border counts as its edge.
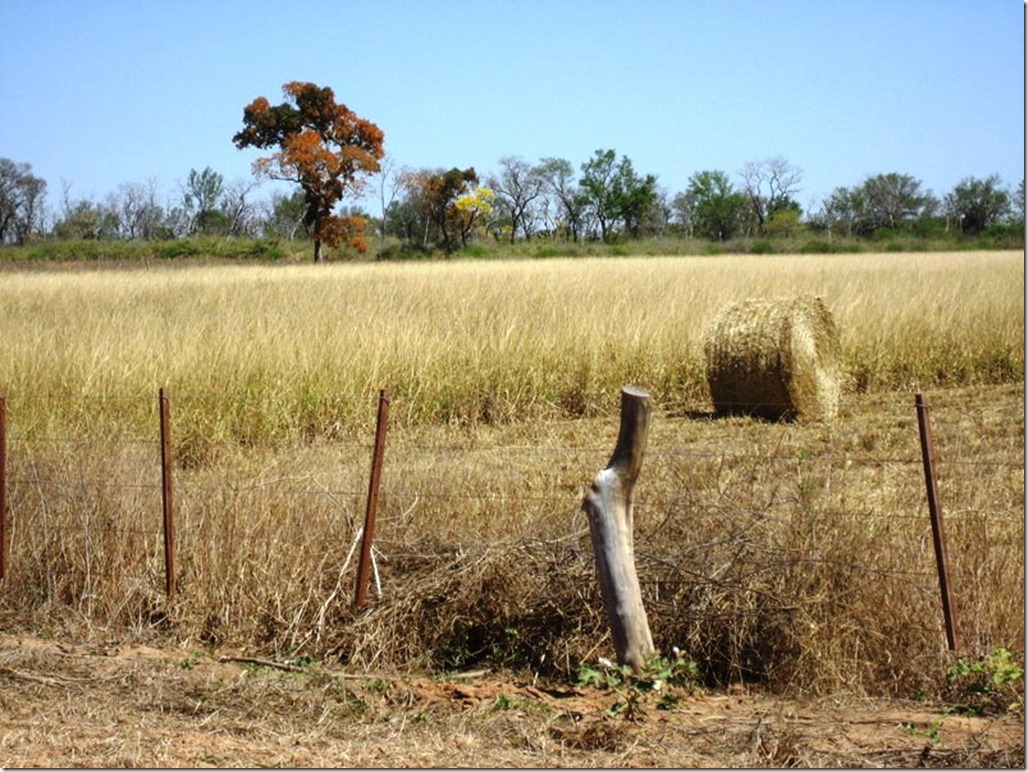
(317, 251)
(608, 505)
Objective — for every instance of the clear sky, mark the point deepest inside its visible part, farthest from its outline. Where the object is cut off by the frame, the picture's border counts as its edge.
(98, 93)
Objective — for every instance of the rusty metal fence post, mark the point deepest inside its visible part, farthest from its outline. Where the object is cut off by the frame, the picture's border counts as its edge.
(935, 512)
(3, 486)
(167, 495)
(364, 564)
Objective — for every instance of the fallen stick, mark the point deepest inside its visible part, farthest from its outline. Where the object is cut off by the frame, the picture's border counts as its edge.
(57, 680)
(295, 668)
(264, 663)
(469, 674)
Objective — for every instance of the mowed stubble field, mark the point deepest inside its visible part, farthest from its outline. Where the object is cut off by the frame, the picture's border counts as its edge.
(790, 558)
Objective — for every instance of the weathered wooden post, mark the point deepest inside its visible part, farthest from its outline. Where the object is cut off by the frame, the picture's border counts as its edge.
(608, 505)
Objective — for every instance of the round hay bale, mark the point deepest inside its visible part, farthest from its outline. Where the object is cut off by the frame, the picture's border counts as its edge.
(777, 358)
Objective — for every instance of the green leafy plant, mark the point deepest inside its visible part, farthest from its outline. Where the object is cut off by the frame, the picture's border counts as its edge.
(661, 676)
(931, 732)
(991, 684)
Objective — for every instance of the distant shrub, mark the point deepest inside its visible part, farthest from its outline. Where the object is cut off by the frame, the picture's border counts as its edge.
(236, 248)
(170, 250)
(663, 245)
(473, 250)
(816, 247)
(930, 228)
(267, 249)
(556, 249)
(921, 237)
(81, 250)
(404, 251)
(823, 247)
(1001, 237)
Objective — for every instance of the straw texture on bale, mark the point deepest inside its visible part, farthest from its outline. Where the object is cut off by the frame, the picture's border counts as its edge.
(776, 358)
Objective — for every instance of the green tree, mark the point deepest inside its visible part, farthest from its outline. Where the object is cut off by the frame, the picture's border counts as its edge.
(683, 214)
(21, 201)
(407, 214)
(637, 198)
(84, 219)
(842, 210)
(893, 201)
(597, 182)
(784, 220)
(285, 214)
(1017, 207)
(201, 199)
(882, 201)
(568, 200)
(616, 194)
(715, 208)
(322, 146)
(978, 203)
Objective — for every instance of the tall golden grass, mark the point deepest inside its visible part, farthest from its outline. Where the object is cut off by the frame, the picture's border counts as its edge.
(791, 555)
(307, 345)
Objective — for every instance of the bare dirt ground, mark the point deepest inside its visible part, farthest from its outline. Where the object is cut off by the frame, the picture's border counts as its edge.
(67, 704)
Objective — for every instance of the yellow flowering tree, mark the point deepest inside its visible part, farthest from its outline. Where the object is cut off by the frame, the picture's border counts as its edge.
(472, 209)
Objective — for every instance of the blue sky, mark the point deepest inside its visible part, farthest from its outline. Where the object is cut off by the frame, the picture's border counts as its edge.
(94, 94)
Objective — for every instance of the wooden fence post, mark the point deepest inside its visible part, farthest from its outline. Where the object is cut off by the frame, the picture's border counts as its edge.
(935, 513)
(367, 538)
(608, 505)
(167, 497)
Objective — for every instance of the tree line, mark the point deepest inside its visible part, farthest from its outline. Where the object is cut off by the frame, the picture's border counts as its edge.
(605, 199)
(330, 156)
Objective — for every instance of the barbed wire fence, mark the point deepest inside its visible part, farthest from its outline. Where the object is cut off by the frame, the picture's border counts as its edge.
(85, 519)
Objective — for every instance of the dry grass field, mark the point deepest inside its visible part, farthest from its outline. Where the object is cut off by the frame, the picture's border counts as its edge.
(792, 562)
(307, 345)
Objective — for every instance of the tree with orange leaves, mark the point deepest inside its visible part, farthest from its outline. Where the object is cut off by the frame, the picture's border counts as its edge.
(322, 146)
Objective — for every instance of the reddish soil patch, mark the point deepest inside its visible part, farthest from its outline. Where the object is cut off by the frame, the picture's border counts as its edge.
(66, 704)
